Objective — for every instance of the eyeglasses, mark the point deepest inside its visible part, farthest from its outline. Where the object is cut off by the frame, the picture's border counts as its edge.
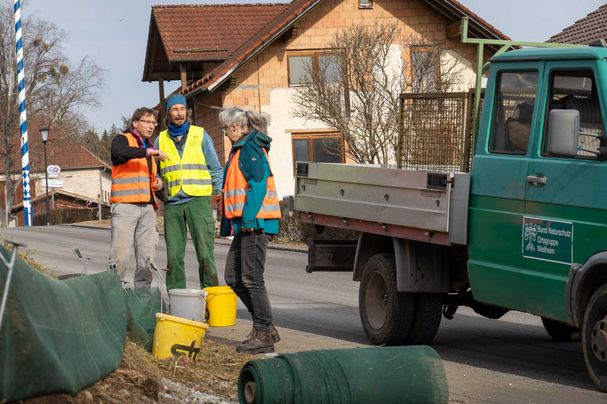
(150, 123)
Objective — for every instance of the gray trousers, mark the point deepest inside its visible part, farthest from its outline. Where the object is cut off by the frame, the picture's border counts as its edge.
(134, 225)
(245, 265)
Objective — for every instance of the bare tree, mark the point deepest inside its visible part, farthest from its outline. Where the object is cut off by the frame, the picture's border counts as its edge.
(360, 97)
(54, 88)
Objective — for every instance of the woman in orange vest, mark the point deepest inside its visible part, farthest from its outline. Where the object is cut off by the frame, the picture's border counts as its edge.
(250, 213)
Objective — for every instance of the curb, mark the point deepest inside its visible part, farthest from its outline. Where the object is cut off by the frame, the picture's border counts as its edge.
(218, 240)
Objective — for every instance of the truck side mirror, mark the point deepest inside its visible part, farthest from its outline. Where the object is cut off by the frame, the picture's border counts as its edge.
(564, 132)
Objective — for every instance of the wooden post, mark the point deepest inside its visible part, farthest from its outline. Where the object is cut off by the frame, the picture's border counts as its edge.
(184, 76)
(161, 103)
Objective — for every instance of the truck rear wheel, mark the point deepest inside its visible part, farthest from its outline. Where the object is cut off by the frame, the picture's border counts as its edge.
(560, 331)
(385, 314)
(594, 338)
(426, 320)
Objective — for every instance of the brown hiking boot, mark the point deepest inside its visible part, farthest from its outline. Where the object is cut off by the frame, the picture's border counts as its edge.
(260, 342)
(249, 336)
(273, 332)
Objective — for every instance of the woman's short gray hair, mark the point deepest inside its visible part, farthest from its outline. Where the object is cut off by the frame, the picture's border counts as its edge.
(248, 120)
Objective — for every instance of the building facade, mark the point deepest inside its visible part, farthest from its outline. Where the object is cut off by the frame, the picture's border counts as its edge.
(261, 70)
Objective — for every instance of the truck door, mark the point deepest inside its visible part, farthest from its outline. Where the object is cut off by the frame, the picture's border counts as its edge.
(499, 171)
(565, 218)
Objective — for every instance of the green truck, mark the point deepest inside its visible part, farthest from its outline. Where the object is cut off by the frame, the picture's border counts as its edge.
(525, 229)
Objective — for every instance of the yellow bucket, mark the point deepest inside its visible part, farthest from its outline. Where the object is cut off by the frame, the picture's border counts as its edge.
(177, 336)
(221, 306)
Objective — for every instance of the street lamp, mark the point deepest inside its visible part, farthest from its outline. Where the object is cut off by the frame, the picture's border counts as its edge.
(44, 135)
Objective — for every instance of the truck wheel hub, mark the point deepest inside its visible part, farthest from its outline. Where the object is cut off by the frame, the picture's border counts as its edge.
(598, 340)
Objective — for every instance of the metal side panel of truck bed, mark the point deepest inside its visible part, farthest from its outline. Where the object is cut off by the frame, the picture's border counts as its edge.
(434, 202)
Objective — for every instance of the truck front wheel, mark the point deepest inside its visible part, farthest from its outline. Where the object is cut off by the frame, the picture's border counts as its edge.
(385, 314)
(594, 338)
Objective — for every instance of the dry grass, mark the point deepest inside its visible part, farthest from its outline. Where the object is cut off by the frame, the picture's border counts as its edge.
(215, 371)
(139, 379)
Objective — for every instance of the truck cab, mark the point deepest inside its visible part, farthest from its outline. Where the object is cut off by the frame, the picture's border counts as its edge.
(537, 214)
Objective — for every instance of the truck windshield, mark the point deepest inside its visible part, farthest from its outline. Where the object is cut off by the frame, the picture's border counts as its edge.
(512, 112)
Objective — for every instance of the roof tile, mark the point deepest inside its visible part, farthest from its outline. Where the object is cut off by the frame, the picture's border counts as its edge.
(585, 30)
(210, 32)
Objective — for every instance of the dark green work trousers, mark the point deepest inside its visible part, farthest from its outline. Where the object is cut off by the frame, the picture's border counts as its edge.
(197, 216)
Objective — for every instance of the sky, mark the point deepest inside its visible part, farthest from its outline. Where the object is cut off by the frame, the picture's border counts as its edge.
(114, 34)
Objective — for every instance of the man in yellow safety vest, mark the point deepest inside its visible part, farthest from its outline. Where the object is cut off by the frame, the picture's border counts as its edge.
(191, 174)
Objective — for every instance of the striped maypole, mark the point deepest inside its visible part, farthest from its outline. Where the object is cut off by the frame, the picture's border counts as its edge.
(25, 156)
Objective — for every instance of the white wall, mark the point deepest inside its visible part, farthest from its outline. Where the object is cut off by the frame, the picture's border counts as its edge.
(463, 66)
(281, 126)
(81, 182)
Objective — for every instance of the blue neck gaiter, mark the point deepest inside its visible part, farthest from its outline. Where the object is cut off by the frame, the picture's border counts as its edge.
(175, 131)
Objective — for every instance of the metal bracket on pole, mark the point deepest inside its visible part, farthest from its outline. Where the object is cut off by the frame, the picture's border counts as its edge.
(482, 67)
(82, 258)
(161, 276)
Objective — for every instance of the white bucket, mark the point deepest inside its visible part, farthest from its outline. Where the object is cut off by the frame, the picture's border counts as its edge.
(188, 303)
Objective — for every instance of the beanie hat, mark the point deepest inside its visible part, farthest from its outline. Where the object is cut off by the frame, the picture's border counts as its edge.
(176, 99)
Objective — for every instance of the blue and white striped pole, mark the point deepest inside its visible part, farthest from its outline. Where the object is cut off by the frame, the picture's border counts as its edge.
(25, 156)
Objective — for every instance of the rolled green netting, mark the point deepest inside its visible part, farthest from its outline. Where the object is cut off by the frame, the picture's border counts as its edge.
(408, 374)
(58, 336)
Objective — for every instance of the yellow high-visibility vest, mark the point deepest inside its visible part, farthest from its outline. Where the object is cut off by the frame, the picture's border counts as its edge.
(188, 173)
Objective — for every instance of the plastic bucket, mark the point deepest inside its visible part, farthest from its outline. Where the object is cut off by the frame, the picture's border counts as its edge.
(188, 303)
(177, 336)
(221, 306)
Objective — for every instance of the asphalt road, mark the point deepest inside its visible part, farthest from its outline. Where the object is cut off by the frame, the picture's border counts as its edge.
(511, 360)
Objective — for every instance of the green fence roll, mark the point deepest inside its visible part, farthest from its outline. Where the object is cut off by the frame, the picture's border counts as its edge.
(408, 374)
(58, 336)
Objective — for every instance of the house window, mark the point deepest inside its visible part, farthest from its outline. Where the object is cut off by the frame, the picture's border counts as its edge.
(424, 68)
(325, 148)
(365, 3)
(300, 66)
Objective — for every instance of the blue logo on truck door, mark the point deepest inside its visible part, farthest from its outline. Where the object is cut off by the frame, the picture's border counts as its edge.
(547, 240)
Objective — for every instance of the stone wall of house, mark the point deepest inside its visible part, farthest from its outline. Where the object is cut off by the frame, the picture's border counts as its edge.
(262, 83)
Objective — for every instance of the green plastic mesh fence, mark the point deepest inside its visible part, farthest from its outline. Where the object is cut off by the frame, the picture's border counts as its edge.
(58, 336)
(142, 306)
(405, 374)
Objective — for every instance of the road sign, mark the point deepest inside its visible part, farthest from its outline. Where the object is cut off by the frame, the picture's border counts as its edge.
(53, 171)
(55, 182)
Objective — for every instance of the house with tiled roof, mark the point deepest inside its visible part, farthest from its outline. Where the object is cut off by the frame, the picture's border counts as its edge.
(246, 55)
(589, 29)
(82, 180)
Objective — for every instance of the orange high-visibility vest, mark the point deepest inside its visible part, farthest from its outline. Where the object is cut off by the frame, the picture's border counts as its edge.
(132, 181)
(235, 193)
